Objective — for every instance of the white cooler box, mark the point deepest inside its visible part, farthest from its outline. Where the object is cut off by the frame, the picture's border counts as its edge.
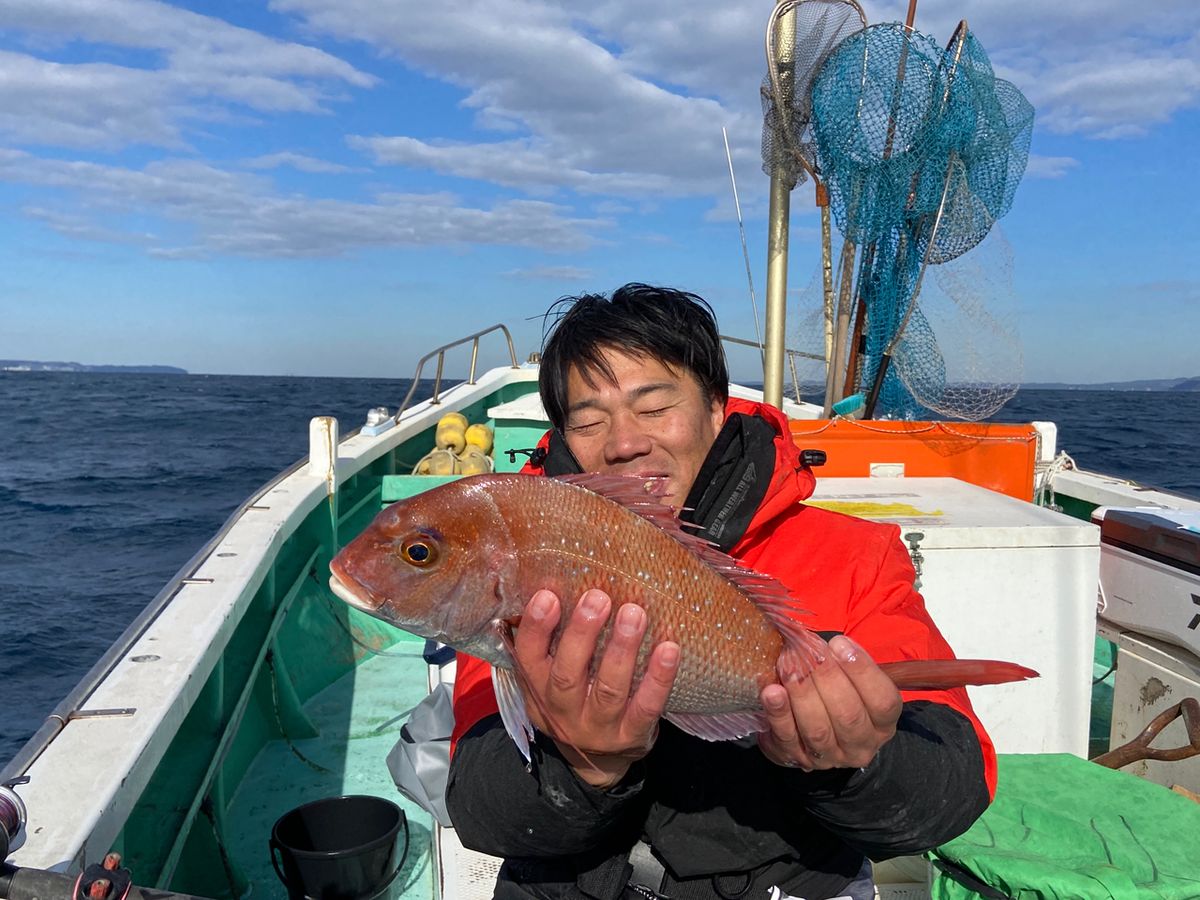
(1003, 580)
(1150, 573)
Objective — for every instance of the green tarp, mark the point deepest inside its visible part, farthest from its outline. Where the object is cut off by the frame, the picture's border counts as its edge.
(1062, 827)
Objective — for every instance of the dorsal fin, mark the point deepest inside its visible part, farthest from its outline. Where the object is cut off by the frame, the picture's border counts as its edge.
(802, 650)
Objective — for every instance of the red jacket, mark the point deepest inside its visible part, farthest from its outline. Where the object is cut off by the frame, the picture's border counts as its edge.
(852, 575)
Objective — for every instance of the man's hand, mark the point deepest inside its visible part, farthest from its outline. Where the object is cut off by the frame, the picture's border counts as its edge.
(837, 717)
(601, 725)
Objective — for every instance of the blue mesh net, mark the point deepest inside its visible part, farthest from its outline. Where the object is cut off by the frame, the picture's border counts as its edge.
(922, 149)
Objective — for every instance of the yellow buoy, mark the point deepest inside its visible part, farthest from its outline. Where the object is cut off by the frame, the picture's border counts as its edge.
(480, 435)
(438, 462)
(474, 462)
(456, 417)
(450, 436)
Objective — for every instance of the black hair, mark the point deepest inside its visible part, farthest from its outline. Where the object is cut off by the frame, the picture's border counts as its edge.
(674, 327)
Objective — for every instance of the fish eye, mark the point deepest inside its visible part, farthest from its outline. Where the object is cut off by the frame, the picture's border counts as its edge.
(419, 551)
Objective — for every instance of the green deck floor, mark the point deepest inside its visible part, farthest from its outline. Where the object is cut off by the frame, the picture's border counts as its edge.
(379, 694)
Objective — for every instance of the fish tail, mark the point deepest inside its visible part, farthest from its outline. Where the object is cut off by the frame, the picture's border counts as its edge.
(940, 674)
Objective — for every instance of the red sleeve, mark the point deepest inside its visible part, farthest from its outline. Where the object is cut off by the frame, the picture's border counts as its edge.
(474, 698)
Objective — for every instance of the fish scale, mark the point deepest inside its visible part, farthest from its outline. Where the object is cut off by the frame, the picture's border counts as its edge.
(728, 648)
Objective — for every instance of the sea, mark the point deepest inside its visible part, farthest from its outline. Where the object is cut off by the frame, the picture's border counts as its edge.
(109, 483)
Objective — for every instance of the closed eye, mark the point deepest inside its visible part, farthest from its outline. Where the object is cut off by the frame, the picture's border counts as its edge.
(584, 427)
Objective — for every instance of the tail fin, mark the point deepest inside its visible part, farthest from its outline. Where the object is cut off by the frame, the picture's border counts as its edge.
(939, 674)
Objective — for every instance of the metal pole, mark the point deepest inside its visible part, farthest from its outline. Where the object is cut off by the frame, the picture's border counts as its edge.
(777, 230)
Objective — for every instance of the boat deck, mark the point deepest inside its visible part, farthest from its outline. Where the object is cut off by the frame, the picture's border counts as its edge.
(379, 694)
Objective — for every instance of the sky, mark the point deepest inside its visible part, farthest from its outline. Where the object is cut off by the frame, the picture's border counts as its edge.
(335, 187)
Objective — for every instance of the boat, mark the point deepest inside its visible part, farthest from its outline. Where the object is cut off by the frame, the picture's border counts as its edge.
(245, 689)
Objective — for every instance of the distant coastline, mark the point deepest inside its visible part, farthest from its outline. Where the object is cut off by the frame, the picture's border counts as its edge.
(1151, 384)
(33, 365)
(1148, 384)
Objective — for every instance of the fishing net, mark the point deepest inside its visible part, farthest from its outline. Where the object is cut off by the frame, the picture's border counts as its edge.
(922, 149)
(968, 309)
(801, 34)
(806, 315)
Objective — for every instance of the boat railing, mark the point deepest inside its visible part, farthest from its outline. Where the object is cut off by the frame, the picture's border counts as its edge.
(440, 353)
(788, 352)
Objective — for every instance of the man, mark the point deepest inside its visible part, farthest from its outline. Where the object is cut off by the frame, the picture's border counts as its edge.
(615, 797)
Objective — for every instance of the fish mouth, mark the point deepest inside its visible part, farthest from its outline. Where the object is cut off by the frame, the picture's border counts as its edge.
(345, 592)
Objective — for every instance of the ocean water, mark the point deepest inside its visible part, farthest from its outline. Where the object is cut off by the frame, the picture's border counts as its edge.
(110, 483)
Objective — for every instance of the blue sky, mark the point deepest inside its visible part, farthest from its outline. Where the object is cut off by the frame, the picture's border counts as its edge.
(331, 187)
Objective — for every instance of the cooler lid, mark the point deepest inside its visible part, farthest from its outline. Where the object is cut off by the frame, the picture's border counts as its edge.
(953, 514)
(1170, 536)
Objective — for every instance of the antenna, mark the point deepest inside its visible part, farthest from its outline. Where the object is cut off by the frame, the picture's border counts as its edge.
(742, 231)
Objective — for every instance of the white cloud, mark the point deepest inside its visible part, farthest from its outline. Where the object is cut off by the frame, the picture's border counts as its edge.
(195, 60)
(86, 105)
(239, 214)
(517, 164)
(298, 161)
(1049, 166)
(549, 273)
(1098, 68)
(588, 117)
(620, 99)
(621, 95)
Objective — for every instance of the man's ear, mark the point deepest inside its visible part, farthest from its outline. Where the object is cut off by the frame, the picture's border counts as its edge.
(717, 409)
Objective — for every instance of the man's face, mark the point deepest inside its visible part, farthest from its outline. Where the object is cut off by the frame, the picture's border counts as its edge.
(651, 421)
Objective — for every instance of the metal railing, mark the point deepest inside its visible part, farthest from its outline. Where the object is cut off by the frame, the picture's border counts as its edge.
(440, 353)
(788, 352)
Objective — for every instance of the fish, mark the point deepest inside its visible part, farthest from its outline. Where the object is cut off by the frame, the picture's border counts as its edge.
(457, 564)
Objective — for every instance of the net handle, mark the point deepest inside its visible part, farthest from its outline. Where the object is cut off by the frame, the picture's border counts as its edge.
(957, 41)
(783, 109)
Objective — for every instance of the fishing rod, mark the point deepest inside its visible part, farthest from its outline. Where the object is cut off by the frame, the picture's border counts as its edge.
(101, 881)
(19, 883)
(737, 205)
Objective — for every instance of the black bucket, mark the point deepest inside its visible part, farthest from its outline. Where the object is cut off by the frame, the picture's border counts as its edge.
(339, 848)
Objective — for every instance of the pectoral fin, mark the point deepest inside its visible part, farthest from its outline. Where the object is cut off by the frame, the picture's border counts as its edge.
(511, 700)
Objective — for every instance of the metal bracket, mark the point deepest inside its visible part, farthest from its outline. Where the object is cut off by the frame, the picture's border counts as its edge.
(914, 539)
(111, 713)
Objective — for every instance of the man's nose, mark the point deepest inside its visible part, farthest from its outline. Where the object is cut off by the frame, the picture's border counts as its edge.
(627, 439)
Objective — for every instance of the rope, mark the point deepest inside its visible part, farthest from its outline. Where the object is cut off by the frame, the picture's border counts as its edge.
(1045, 488)
(208, 811)
(316, 767)
(932, 426)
